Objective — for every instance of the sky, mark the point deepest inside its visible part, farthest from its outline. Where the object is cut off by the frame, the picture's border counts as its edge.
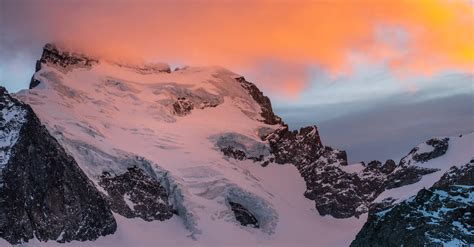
(364, 71)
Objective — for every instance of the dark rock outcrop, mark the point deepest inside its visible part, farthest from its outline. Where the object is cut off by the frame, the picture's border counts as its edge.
(334, 191)
(264, 102)
(238, 154)
(388, 167)
(61, 59)
(44, 193)
(243, 215)
(53, 55)
(34, 83)
(234, 153)
(241, 147)
(376, 166)
(406, 175)
(457, 176)
(433, 217)
(299, 148)
(136, 194)
(182, 106)
(150, 68)
(439, 146)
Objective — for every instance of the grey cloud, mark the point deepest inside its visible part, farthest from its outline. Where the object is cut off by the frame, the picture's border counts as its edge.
(389, 128)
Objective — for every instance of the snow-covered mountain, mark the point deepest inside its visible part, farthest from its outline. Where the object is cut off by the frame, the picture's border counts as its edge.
(139, 155)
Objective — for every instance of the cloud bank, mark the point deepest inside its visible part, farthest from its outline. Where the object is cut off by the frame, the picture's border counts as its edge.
(276, 42)
(391, 131)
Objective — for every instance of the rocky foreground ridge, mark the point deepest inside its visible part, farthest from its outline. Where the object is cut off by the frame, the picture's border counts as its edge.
(43, 192)
(436, 216)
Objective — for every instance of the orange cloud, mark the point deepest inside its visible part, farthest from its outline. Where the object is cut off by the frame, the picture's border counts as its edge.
(437, 34)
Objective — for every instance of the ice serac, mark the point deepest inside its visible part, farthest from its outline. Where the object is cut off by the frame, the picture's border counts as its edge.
(439, 216)
(43, 193)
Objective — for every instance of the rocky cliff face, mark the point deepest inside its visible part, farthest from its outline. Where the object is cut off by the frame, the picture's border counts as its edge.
(63, 60)
(436, 216)
(136, 194)
(264, 102)
(44, 194)
(336, 192)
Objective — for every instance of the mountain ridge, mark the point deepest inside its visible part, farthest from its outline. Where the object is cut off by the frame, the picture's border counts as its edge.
(167, 129)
